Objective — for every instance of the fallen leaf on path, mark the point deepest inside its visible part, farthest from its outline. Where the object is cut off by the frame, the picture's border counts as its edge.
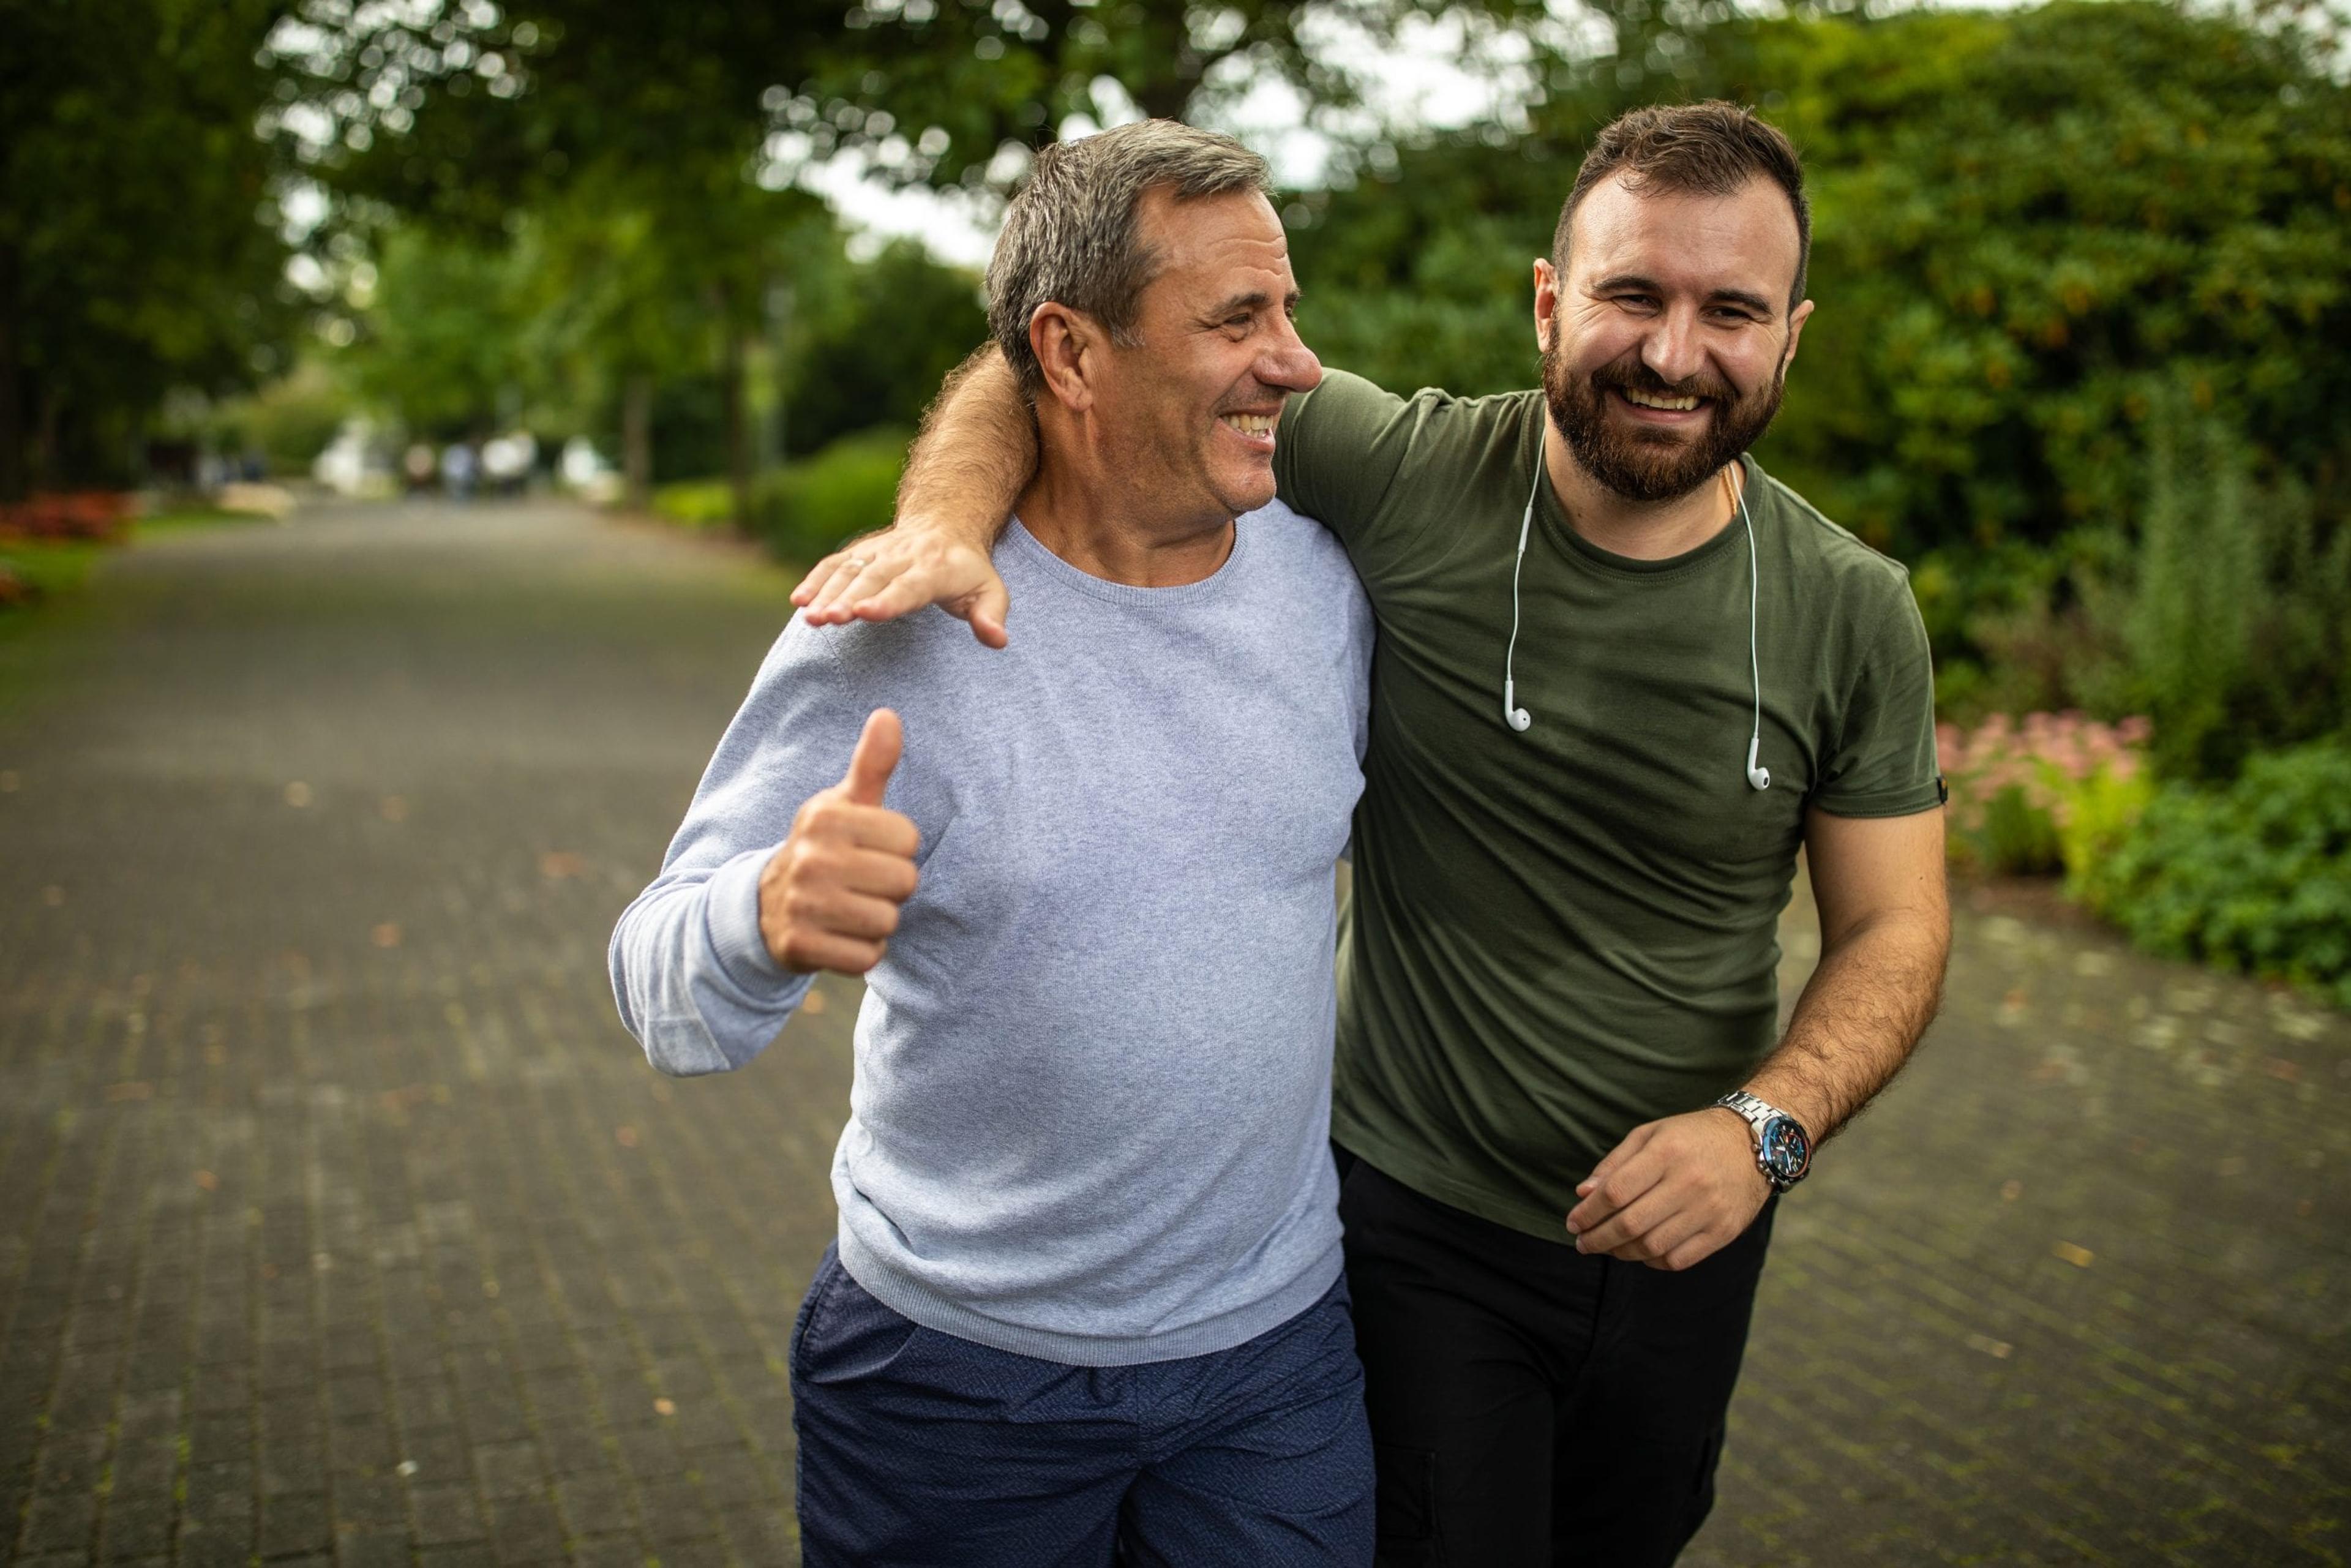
(2080, 1257)
(298, 793)
(664, 1407)
(2285, 1071)
(555, 866)
(814, 1002)
(1997, 1348)
(2012, 1190)
(209, 1182)
(385, 936)
(626, 1136)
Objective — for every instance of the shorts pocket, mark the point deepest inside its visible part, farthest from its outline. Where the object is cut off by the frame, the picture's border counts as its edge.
(1407, 1506)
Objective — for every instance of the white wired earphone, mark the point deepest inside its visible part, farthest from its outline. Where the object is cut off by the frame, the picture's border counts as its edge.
(1518, 717)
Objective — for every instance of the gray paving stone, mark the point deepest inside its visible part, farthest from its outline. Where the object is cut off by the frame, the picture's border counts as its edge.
(375, 1180)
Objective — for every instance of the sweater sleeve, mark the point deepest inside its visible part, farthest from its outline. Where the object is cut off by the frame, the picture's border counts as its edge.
(691, 974)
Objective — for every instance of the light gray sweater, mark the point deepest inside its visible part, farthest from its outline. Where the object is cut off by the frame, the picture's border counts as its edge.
(1092, 1104)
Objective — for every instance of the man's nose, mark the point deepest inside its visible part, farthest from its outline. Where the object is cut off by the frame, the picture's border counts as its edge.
(1288, 363)
(1672, 348)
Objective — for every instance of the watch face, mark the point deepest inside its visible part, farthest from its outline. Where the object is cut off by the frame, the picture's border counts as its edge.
(1785, 1151)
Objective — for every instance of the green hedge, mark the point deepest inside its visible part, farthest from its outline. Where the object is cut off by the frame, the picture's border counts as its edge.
(805, 508)
(696, 502)
(2255, 876)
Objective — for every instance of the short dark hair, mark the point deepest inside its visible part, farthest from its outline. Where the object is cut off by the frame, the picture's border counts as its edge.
(1701, 148)
(1072, 234)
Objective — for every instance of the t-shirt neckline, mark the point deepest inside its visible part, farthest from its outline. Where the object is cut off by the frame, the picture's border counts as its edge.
(1018, 537)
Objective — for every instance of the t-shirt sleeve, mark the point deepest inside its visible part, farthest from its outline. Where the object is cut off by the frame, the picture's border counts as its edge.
(691, 971)
(1336, 453)
(1883, 763)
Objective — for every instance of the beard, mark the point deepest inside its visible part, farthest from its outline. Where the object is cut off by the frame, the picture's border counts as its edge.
(1652, 465)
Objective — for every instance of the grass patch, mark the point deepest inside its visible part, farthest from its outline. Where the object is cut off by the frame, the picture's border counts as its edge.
(51, 570)
(48, 568)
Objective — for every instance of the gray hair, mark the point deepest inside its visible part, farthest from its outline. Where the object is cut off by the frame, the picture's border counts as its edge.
(1069, 236)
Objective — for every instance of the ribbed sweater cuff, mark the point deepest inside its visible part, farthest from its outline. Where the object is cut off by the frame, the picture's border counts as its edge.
(731, 912)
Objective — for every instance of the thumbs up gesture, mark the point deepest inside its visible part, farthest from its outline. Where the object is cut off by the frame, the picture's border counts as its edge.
(828, 897)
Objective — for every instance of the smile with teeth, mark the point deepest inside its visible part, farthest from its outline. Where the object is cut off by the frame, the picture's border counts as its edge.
(1249, 424)
(1648, 399)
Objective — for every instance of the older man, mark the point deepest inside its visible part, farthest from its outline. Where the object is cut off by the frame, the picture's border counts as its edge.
(1086, 1298)
(1623, 676)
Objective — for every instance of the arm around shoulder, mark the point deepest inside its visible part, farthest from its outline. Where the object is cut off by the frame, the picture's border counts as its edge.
(976, 453)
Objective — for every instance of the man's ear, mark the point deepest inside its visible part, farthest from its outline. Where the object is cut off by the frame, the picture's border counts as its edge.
(1546, 302)
(1796, 320)
(1069, 348)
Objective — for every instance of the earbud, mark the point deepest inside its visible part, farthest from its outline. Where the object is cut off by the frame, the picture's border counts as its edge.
(1513, 715)
(1518, 720)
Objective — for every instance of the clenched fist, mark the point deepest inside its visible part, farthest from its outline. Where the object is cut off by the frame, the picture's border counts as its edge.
(829, 898)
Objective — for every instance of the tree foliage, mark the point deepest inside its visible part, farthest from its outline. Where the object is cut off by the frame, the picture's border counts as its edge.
(138, 242)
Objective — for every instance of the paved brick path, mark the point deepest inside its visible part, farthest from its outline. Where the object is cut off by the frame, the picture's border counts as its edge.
(340, 1221)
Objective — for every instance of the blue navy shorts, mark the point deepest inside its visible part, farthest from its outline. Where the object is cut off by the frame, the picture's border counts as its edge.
(919, 1447)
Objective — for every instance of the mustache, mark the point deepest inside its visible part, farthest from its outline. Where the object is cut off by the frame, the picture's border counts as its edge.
(1622, 376)
(1266, 397)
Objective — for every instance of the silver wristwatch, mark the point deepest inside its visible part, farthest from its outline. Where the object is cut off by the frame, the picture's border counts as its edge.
(1783, 1150)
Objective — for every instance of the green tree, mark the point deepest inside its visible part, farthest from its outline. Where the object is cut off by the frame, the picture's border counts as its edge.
(132, 260)
(876, 340)
(444, 337)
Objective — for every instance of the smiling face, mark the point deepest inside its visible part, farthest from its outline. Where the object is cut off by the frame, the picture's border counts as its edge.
(1666, 343)
(1188, 410)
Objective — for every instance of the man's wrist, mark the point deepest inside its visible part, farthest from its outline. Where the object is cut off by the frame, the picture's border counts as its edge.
(1783, 1144)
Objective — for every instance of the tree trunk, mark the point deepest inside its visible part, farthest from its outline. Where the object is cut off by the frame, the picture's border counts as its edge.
(637, 440)
(738, 426)
(12, 407)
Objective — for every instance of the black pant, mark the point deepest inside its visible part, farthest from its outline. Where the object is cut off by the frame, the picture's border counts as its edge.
(1531, 1406)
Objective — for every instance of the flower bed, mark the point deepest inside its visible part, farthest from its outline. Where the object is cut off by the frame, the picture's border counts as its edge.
(102, 515)
(2044, 793)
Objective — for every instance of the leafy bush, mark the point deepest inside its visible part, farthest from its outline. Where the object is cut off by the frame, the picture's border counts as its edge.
(696, 502)
(2256, 876)
(2028, 797)
(804, 510)
(289, 422)
(2224, 614)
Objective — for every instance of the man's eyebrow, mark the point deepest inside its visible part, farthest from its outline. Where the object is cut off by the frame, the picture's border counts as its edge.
(1739, 297)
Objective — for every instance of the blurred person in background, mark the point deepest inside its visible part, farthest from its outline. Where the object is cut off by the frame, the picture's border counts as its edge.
(458, 465)
(1622, 677)
(1087, 1302)
(417, 467)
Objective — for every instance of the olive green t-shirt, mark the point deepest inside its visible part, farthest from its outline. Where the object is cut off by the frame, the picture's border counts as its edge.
(1559, 935)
